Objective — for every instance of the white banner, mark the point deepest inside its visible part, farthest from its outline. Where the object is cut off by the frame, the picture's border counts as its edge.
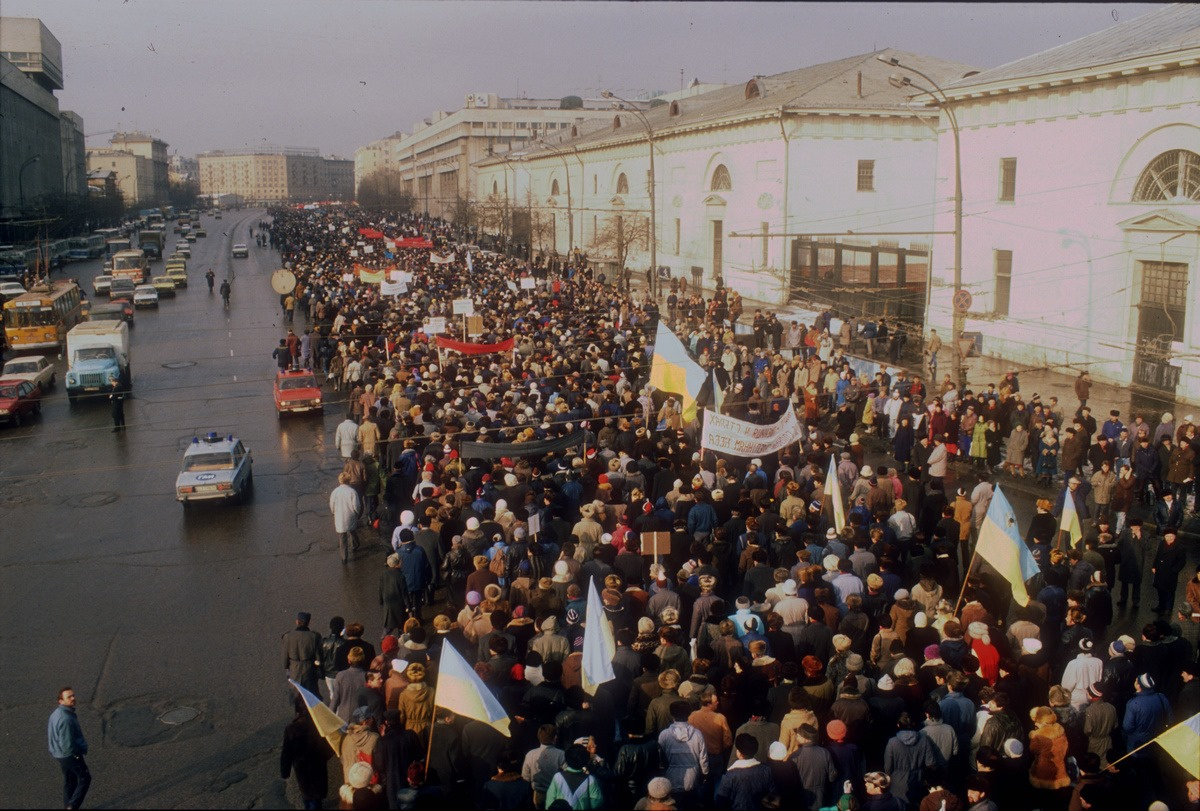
(528, 283)
(724, 434)
(348, 277)
(436, 326)
(393, 288)
(464, 306)
(441, 260)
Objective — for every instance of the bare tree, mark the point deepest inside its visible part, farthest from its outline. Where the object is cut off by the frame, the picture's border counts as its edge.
(618, 236)
(384, 188)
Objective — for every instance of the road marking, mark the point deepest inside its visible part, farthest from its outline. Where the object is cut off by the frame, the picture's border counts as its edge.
(235, 378)
(231, 353)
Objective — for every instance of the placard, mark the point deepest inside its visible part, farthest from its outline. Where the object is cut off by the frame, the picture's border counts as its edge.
(464, 306)
(474, 325)
(724, 434)
(534, 523)
(311, 249)
(435, 326)
(354, 252)
(348, 278)
(390, 244)
(528, 283)
(369, 249)
(393, 289)
(655, 544)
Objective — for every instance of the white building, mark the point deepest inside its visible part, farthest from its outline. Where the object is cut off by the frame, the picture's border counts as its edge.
(1081, 188)
(756, 185)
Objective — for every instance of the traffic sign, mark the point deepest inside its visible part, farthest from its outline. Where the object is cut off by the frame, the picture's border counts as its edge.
(962, 300)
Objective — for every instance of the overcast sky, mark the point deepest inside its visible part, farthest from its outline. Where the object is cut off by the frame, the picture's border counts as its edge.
(213, 74)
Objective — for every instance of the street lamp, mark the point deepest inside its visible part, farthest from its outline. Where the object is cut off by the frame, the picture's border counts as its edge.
(21, 178)
(608, 94)
(943, 103)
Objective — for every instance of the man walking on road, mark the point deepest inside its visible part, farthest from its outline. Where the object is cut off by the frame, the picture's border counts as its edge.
(345, 505)
(68, 747)
(116, 398)
(302, 653)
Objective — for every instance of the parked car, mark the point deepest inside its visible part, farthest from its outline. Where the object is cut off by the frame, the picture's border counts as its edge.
(19, 400)
(145, 296)
(215, 468)
(34, 368)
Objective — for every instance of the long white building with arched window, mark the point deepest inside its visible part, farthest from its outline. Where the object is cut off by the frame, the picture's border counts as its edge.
(1081, 189)
(756, 185)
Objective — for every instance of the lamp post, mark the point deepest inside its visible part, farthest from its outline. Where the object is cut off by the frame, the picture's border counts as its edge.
(939, 98)
(21, 178)
(608, 94)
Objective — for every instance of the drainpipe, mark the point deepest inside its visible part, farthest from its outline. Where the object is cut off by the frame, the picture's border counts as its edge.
(787, 157)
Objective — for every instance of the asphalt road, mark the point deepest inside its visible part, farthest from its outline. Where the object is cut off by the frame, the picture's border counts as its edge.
(108, 586)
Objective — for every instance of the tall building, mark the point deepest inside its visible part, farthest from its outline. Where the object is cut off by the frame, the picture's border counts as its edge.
(1081, 186)
(276, 175)
(134, 175)
(153, 150)
(42, 146)
(435, 160)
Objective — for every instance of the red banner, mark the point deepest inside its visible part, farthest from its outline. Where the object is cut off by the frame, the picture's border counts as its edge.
(413, 242)
(370, 233)
(361, 269)
(476, 349)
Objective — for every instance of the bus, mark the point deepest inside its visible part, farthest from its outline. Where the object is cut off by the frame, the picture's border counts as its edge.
(131, 265)
(88, 247)
(41, 318)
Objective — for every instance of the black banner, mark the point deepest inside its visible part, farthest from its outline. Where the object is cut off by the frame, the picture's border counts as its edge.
(496, 450)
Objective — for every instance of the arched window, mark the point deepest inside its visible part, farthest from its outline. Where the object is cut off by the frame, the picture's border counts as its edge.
(673, 110)
(554, 188)
(1171, 177)
(622, 184)
(616, 122)
(495, 188)
(753, 89)
(721, 181)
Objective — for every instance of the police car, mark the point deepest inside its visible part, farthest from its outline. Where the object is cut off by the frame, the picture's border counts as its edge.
(215, 468)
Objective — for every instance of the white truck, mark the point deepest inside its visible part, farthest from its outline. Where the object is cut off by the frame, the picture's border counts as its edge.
(96, 352)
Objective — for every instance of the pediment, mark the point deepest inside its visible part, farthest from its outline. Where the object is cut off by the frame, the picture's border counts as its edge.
(714, 200)
(1160, 220)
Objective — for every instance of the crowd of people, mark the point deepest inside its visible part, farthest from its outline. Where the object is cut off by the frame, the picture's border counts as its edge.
(765, 657)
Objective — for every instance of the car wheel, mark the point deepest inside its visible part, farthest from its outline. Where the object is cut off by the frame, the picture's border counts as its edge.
(53, 382)
(37, 409)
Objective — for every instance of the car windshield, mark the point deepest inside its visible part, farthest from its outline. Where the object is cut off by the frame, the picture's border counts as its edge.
(94, 353)
(8, 392)
(122, 284)
(20, 367)
(208, 461)
(304, 382)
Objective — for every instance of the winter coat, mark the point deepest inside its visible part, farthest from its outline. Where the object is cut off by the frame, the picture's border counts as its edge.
(685, 755)
(1146, 716)
(345, 504)
(817, 773)
(905, 758)
(1048, 748)
(1018, 443)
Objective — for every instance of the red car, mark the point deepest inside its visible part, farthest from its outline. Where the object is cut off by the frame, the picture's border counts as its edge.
(19, 400)
(297, 391)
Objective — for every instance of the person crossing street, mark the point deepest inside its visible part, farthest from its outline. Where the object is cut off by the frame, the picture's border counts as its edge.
(69, 747)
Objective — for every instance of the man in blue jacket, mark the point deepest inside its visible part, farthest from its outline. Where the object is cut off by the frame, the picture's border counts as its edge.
(1147, 715)
(68, 747)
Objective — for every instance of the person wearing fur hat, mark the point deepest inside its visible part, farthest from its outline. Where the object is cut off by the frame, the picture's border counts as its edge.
(358, 792)
(416, 702)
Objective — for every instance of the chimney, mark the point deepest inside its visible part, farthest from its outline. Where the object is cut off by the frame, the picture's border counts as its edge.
(860, 84)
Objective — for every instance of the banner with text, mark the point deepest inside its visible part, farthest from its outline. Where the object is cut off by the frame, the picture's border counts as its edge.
(724, 434)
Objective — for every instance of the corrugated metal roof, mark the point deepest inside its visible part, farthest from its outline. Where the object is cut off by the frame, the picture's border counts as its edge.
(1172, 28)
(830, 85)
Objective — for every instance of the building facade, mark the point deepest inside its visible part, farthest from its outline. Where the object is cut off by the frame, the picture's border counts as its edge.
(42, 145)
(435, 160)
(154, 151)
(755, 186)
(134, 175)
(1081, 189)
(279, 175)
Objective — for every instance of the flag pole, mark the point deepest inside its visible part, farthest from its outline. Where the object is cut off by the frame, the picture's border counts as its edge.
(1134, 752)
(966, 579)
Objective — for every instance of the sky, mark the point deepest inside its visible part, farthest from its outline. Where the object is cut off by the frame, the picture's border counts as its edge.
(336, 75)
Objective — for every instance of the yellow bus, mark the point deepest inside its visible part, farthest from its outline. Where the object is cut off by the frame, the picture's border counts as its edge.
(41, 318)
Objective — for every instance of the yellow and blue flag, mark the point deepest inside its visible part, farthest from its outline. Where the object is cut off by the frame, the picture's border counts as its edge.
(1001, 546)
(1069, 522)
(834, 489)
(460, 690)
(1182, 742)
(718, 394)
(328, 724)
(599, 647)
(673, 371)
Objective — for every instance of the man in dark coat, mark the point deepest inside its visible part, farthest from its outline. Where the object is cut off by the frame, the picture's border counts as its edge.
(393, 596)
(1168, 563)
(305, 752)
(302, 653)
(397, 748)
